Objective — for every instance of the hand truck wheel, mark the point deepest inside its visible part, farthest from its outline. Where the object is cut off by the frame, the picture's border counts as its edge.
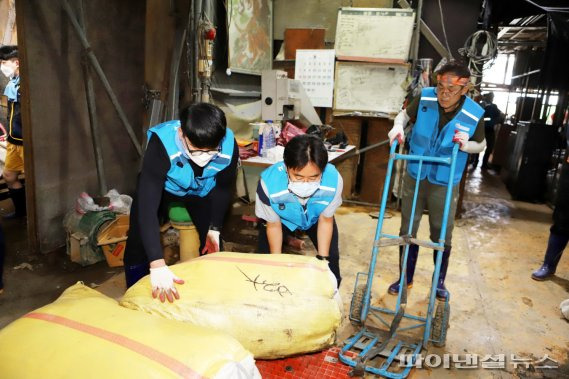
(357, 304)
(440, 323)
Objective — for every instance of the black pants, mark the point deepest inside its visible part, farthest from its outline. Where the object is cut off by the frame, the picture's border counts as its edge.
(334, 253)
(199, 209)
(561, 213)
(490, 138)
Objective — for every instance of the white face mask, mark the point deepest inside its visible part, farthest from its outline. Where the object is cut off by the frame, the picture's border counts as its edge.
(202, 159)
(7, 70)
(303, 189)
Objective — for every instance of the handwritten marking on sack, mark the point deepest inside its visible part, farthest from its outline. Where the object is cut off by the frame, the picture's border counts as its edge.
(281, 289)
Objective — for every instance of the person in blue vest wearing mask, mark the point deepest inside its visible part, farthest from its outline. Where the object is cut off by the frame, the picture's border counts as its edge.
(194, 161)
(302, 192)
(443, 116)
(14, 162)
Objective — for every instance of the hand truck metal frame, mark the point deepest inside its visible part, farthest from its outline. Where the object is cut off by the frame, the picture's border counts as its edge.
(435, 324)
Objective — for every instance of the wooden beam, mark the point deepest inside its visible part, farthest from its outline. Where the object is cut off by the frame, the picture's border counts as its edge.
(503, 32)
(513, 28)
(517, 34)
(522, 43)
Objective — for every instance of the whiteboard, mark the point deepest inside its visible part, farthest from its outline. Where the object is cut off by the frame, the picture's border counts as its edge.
(374, 33)
(315, 70)
(369, 87)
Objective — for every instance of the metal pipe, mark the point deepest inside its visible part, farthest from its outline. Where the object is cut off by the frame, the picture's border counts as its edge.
(189, 49)
(360, 151)
(95, 63)
(378, 231)
(92, 109)
(174, 90)
(392, 312)
(205, 79)
(195, 57)
(422, 158)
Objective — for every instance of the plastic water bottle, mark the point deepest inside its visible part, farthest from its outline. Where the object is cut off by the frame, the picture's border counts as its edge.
(260, 146)
(269, 140)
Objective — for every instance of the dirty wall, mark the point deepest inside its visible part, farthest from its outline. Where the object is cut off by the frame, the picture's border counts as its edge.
(60, 162)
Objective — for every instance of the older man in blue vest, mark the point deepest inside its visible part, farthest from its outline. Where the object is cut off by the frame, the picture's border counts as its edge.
(443, 116)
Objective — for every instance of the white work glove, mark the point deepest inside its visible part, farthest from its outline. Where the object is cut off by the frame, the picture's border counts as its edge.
(398, 125)
(461, 138)
(396, 132)
(470, 147)
(565, 308)
(211, 242)
(162, 280)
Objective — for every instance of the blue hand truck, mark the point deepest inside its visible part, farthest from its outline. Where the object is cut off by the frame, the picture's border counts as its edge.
(390, 356)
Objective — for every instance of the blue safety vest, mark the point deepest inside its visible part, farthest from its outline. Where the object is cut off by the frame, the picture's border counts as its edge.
(428, 141)
(12, 93)
(180, 179)
(292, 213)
(12, 89)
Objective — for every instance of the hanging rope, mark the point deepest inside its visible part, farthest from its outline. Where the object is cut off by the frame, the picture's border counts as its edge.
(480, 48)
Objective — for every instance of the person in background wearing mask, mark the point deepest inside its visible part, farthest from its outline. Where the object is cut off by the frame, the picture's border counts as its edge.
(444, 116)
(14, 162)
(194, 161)
(303, 192)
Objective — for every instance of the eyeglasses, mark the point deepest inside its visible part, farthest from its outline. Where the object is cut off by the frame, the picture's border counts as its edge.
(308, 179)
(197, 152)
(450, 90)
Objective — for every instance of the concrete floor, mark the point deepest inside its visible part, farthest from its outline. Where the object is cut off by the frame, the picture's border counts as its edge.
(495, 306)
(32, 281)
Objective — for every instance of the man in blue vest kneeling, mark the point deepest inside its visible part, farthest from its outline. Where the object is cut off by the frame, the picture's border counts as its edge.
(194, 161)
(443, 116)
(303, 192)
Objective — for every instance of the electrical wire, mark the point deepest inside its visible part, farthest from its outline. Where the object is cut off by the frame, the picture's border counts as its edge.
(480, 48)
(444, 29)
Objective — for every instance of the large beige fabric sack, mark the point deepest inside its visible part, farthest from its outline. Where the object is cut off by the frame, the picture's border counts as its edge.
(275, 305)
(85, 334)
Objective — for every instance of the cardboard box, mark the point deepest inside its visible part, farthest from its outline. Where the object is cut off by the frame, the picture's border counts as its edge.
(112, 240)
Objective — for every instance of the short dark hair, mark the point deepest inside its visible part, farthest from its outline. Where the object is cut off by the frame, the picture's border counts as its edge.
(455, 67)
(304, 149)
(8, 52)
(204, 124)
